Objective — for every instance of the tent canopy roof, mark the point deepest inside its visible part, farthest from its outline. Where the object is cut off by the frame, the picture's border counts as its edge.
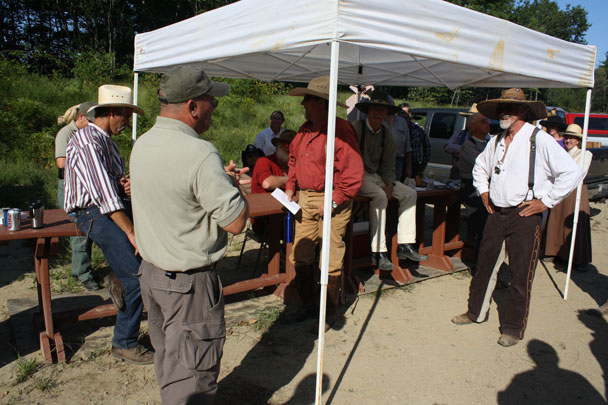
(398, 43)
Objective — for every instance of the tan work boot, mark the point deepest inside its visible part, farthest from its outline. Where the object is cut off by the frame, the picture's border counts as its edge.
(116, 289)
(507, 340)
(462, 319)
(137, 355)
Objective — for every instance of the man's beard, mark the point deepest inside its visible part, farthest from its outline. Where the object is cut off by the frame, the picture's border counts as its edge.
(506, 124)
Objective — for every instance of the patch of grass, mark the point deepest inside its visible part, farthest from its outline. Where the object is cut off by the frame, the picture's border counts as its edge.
(25, 368)
(45, 384)
(461, 275)
(265, 318)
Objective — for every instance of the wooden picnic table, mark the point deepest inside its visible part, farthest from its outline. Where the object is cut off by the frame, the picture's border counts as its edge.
(57, 224)
(446, 217)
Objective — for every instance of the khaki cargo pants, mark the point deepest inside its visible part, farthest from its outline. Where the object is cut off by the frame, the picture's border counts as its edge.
(187, 329)
(309, 230)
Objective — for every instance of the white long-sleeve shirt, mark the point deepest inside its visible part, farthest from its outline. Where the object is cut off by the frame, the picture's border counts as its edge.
(555, 176)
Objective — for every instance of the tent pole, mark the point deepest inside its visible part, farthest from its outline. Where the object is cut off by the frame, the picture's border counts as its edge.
(578, 193)
(329, 180)
(135, 94)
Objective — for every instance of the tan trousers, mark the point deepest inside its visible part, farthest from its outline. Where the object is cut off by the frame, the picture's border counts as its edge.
(309, 230)
(406, 229)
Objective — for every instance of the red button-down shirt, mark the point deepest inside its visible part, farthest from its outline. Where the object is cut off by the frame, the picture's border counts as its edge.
(307, 161)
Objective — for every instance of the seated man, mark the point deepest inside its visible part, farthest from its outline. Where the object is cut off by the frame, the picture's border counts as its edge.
(378, 152)
(249, 156)
(270, 172)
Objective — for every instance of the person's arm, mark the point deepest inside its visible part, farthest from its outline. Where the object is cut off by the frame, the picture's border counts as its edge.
(102, 189)
(565, 171)
(272, 182)
(452, 147)
(124, 223)
(60, 162)
(348, 164)
(409, 172)
(387, 161)
(237, 226)
(482, 170)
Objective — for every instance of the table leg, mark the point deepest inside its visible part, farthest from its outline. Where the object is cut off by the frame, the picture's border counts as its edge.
(436, 257)
(41, 259)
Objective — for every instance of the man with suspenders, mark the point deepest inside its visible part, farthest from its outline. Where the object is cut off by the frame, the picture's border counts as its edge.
(520, 174)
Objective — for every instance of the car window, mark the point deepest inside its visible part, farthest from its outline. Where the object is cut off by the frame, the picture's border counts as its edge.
(595, 123)
(442, 126)
(420, 118)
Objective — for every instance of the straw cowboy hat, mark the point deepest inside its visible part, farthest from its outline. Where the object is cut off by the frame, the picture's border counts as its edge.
(110, 95)
(574, 130)
(378, 98)
(554, 120)
(538, 110)
(472, 110)
(318, 87)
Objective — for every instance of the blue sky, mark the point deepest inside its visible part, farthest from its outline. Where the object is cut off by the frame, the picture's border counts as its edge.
(597, 16)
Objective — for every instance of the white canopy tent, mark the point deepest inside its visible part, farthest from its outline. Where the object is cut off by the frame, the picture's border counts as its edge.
(397, 43)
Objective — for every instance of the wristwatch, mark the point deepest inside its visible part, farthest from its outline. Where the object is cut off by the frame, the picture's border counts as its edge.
(334, 205)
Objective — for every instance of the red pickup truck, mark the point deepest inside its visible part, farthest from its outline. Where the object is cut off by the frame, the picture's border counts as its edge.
(598, 126)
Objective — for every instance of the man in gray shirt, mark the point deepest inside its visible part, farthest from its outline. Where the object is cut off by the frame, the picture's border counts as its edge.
(184, 203)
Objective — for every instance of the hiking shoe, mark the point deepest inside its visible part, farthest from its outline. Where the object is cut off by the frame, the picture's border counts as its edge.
(381, 262)
(116, 289)
(462, 319)
(137, 355)
(91, 285)
(507, 340)
(406, 251)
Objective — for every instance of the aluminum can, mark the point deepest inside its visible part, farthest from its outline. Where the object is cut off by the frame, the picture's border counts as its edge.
(14, 219)
(5, 216)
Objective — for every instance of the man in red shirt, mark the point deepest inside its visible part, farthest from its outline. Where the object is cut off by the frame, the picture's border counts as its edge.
(307, 167)
(270, 172)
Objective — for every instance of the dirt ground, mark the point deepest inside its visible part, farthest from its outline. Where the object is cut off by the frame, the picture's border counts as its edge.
(391, 346)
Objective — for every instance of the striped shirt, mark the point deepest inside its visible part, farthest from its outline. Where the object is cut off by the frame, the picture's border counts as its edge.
(93, 170)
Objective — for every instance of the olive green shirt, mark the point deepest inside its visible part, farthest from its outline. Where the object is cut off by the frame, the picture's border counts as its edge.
(63, 137)
(378, 151)
(181, 196)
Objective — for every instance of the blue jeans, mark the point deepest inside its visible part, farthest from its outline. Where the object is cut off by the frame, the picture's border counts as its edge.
(81, 246)
(120, 254)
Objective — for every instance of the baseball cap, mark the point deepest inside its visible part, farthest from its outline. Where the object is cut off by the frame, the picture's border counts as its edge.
(188, 82)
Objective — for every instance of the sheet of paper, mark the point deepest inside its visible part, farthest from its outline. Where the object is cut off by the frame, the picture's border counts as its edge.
(281, 197)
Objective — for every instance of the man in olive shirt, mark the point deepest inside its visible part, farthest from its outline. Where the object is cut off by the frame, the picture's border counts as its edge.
(184, 202)
(380, 185)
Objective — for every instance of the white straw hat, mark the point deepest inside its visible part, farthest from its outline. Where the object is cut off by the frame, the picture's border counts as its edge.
(110, 95)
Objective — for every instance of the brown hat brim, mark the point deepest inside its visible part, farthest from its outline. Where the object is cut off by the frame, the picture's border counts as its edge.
(561, 126)
(364, 107)
(538, 109)
(302, 91)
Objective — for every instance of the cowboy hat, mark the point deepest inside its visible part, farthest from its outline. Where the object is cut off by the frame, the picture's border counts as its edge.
(574, 130)
(556, 121)
(110, 95)
(378, 98)
(318, 87)
(472, 110)
(286, 136)
(487, 108)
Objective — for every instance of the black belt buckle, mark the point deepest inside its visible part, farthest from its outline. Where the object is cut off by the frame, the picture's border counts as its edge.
(170, 274)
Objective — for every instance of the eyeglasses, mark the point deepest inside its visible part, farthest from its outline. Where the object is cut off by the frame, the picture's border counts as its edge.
(214, 101)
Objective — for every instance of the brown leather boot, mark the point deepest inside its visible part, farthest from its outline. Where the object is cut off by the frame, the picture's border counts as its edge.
(305, 287)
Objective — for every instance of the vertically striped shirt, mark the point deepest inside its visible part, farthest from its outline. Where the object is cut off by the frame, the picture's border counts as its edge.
(93, 170)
